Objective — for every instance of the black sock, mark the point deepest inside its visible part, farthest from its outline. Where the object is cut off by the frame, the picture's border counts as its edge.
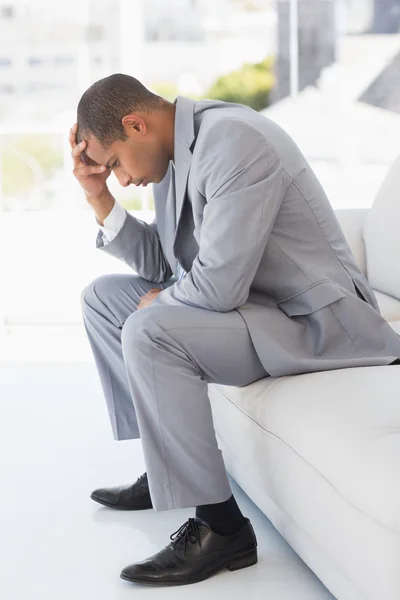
(224, 518)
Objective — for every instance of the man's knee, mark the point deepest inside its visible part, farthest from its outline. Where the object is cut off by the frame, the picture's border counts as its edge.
(143, 325)
(105, 287)
(93, 291)
(135, 327)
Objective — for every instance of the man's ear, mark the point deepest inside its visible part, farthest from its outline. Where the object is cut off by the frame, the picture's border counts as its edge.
(134, 124)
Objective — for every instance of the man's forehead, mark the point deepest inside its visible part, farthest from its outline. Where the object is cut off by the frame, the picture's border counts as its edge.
(95, 152)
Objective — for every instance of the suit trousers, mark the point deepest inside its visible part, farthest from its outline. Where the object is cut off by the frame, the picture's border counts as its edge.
(154, 366)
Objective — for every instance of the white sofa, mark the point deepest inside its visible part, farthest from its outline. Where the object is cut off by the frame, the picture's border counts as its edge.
(319, 453)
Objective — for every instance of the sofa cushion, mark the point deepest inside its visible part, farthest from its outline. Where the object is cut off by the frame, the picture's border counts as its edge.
(396, 326)
(382, 236)
(352, 221)
(342, 424)
(320, 455)
(389, 306)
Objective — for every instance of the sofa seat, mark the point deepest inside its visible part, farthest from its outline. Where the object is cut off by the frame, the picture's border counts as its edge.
(389, 306)
(329, 477)
(396, 326)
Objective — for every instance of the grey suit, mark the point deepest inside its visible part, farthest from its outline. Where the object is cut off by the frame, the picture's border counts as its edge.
(271, 288)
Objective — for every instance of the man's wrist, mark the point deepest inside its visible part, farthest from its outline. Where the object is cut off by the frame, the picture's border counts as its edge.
(101, 199)
(102, 206)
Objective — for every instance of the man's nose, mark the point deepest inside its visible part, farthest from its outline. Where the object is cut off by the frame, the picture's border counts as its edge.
(123, 179)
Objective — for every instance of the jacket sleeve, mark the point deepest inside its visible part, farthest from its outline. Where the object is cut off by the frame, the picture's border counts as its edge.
(244, 183)
(112, 223)
(138, 245)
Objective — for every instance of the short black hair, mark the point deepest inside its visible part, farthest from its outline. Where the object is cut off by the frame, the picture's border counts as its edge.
(106, 102)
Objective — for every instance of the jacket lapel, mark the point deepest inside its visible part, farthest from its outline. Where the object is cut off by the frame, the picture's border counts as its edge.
(183, 140)
(170, 218)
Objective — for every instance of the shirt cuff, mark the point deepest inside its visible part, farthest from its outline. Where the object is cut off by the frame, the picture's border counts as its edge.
(113, 222)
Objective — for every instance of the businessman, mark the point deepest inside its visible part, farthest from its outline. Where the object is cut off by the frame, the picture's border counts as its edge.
(243, 274)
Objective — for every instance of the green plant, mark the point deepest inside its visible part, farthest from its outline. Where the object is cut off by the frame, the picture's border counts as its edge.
(170, 91)
(134, 203)
(17, 153)
(166, 90)
(250, 85)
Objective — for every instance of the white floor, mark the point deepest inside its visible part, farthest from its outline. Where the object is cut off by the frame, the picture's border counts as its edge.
(56, 446)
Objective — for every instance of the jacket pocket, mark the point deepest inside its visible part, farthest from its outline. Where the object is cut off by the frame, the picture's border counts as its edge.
(319, 295)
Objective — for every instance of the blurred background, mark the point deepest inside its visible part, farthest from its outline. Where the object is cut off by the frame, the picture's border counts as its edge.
(328, 71)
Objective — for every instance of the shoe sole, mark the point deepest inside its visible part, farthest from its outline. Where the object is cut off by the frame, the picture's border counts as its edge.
(104, 503)
(234, 564)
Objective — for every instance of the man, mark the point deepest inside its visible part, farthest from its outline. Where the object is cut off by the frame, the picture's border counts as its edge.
(243, 274)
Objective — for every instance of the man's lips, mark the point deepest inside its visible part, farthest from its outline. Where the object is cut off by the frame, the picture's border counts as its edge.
(143, 182)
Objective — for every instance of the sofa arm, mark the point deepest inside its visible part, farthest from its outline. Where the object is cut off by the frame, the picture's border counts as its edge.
(352, 222)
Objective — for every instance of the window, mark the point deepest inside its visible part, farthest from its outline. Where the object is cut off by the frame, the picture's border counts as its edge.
(43, 86)
(95, 33)
(6, 88)
(34, 61)
(7, 12)
(63, 61)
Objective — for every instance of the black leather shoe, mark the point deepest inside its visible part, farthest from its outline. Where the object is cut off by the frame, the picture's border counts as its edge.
(132, 497)
(196, 553)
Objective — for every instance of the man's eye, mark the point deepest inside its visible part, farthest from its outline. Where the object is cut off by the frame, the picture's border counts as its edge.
(116, 164)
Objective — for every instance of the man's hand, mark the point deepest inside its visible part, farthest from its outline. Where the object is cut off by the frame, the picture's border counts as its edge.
(90, 175)
(92, 178)
(148, 298)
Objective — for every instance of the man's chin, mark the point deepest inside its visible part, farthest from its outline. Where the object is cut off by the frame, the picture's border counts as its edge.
(159, 179)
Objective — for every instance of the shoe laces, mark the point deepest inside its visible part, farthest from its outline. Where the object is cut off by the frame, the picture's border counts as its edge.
(142, 479)
(189, 532)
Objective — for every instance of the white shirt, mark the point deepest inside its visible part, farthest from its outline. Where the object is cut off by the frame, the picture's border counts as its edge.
(113, 223)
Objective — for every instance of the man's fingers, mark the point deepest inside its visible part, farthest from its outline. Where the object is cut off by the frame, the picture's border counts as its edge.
(83, 172)
(78, 149)
(150, 294)
(76, 154)
(72, 135)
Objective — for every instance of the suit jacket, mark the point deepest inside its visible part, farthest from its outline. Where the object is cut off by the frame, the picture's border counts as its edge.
(250, 223)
